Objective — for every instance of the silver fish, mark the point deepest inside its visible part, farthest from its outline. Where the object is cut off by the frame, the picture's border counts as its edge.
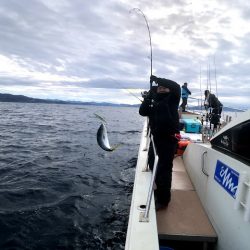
(102, 138)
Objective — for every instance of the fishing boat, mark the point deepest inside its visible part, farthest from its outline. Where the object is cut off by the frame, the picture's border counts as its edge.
(210, 205)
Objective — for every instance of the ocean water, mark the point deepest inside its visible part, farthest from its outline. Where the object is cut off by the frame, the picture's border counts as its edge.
(58, 189)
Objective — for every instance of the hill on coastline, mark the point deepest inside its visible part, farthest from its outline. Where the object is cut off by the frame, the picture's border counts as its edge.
(26, 99)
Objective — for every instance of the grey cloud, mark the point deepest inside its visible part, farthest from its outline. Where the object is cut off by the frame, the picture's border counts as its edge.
(12, 81)
(116, 84)
(86, 39)
(43, 34)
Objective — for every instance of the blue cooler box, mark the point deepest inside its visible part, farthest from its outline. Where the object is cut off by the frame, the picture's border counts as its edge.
(192, 125)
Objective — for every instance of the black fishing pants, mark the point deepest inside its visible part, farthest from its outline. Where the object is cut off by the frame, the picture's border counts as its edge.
(166, 148)
(215, 116)
(184, 103)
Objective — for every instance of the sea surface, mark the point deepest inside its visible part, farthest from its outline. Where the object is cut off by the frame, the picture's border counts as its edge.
(58, 188)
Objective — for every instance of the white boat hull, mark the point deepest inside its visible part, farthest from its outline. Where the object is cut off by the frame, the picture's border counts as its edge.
(218, 199)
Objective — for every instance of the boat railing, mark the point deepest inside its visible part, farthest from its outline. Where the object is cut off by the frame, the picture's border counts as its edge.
(208, 129)
(142, 226)
(200, 104)
(150, 143)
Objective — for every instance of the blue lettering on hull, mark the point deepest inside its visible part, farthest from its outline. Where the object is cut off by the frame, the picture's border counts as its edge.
(227, 177)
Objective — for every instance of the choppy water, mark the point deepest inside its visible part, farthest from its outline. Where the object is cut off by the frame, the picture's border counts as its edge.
(58, 189)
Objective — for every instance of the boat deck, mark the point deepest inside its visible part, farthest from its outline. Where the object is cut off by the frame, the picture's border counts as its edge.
(185, 218)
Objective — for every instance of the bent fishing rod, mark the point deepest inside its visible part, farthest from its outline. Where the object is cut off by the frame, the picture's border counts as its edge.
(139, 11)
(102, 136)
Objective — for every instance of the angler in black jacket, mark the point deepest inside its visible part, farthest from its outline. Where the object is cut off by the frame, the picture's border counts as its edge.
(213, 102)
(161, 106)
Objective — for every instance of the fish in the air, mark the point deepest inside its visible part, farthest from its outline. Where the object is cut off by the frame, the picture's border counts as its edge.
(102, 138)
(102, 135)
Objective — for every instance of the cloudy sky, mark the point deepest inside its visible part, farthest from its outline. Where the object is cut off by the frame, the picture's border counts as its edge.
(95, 50)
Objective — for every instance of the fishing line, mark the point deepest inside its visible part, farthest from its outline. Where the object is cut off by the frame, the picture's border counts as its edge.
(131, 93)
(102, 133)
(139, 11)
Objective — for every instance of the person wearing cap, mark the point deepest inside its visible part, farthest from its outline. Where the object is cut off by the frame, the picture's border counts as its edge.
(161, 104)
(185, 92)
(211, 101)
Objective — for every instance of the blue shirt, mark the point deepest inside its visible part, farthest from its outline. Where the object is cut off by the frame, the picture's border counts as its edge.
(185, 92)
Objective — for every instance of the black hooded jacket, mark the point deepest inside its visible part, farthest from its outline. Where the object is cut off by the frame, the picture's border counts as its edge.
(162, 109)
(214, 102)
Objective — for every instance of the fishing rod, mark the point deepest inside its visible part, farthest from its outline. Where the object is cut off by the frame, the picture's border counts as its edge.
(131, 93)
(139, 11)
(200, 87)
(209, 77)
(215, 78)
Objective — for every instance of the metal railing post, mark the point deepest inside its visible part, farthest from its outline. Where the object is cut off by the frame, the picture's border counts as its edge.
(151, 187)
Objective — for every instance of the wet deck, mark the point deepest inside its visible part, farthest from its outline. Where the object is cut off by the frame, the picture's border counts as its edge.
(185, 218)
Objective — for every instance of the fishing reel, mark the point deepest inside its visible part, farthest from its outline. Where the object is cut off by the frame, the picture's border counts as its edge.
(150, 94)
(146, 94)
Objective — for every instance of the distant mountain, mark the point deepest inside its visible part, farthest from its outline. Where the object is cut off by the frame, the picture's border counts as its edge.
(25, 99)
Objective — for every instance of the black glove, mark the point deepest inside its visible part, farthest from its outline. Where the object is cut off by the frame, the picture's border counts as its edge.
(148, 95)
(153, 78)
